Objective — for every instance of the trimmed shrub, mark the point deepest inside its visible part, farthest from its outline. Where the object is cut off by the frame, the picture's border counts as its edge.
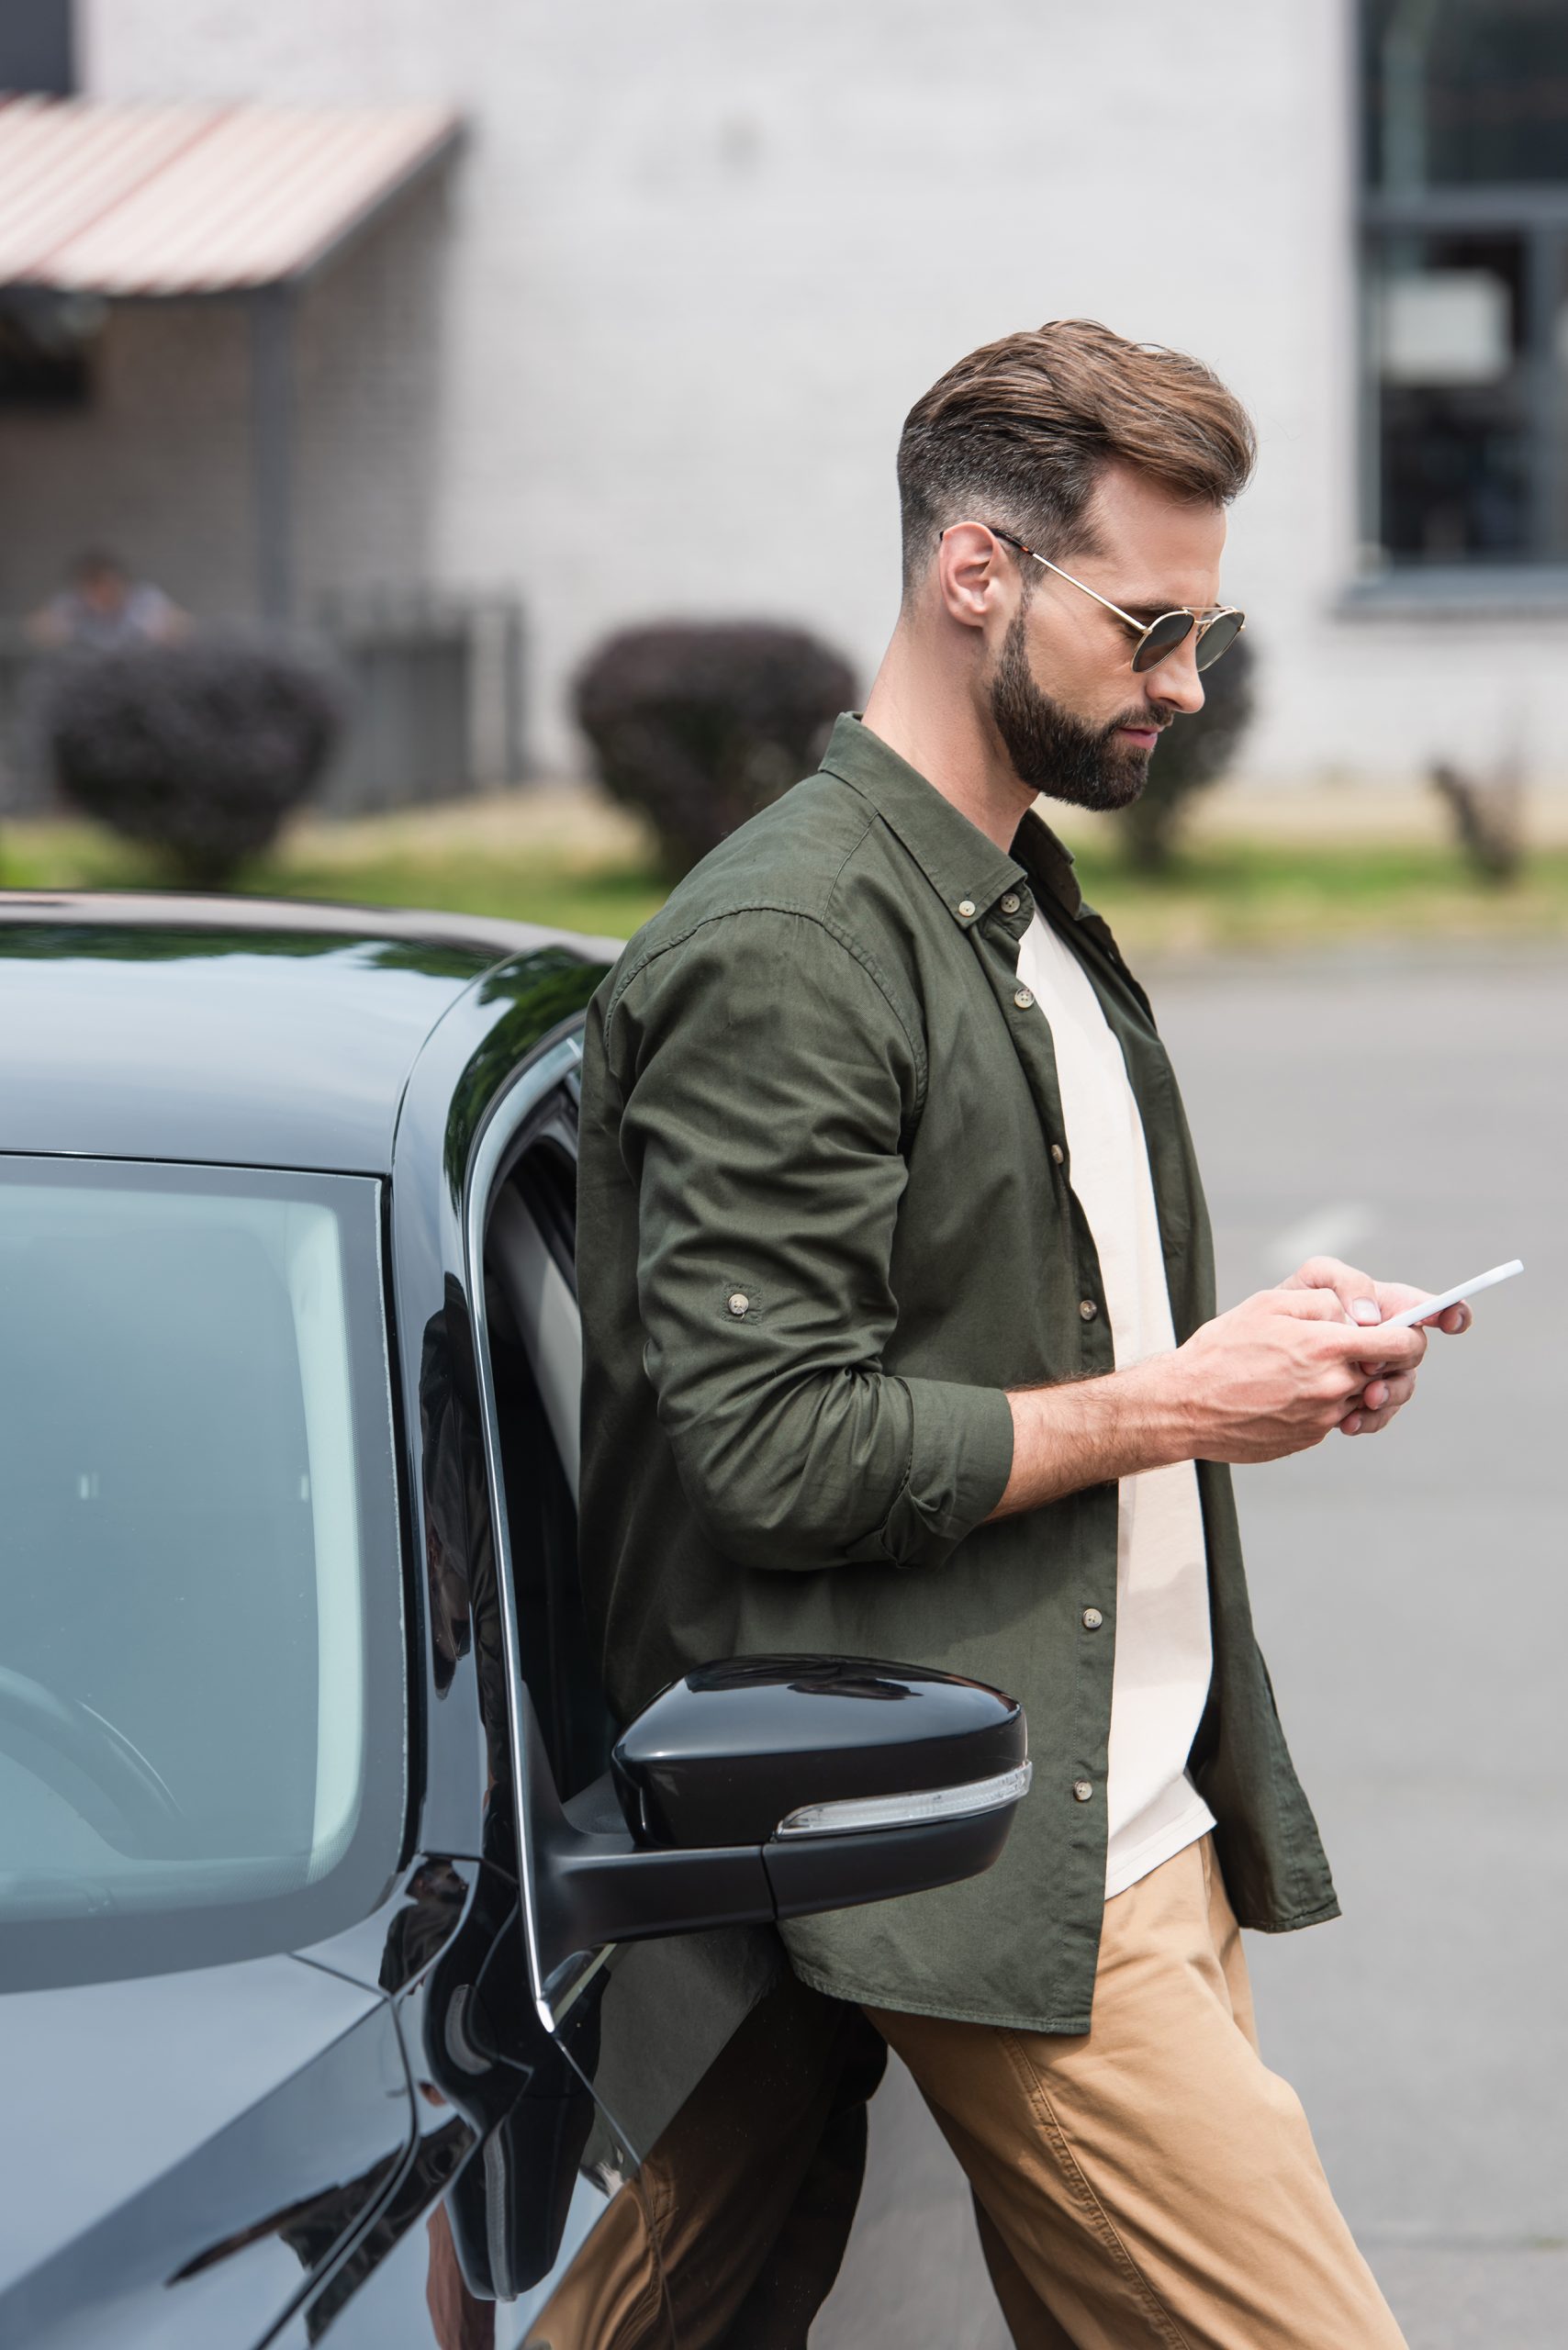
(1193, 754)
(700, 725)
(197, 750)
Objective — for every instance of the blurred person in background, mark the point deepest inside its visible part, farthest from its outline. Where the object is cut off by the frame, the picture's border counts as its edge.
(900, 1340)
(102, 608)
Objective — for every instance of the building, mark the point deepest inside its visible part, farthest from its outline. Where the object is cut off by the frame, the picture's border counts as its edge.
(642, 345)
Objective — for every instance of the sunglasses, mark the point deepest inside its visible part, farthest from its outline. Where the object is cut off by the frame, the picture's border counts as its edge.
(1216, 631)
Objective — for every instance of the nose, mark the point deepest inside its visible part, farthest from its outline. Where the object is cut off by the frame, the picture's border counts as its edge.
(1175, 680)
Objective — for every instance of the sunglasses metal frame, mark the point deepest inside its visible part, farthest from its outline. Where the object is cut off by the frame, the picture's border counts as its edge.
(1143, 631)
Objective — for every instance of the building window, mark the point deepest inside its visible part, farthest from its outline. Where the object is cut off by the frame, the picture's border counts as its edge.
(45, 348)
(1465, 276)
(37, 48)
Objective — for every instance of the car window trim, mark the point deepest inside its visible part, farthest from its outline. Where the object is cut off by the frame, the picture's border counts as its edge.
(528, 1092)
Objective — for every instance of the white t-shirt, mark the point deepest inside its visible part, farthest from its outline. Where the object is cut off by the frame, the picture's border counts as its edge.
(1164, 1652)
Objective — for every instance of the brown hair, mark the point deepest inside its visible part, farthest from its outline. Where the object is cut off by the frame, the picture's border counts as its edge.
(1017, 433)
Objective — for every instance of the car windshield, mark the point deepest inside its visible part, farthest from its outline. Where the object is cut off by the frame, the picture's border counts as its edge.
(200, 1709)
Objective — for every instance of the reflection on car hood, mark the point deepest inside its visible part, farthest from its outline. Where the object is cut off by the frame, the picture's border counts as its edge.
(262, 1051)
(108, 2085)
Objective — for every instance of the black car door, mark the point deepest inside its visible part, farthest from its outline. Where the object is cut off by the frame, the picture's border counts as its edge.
(729, 2101)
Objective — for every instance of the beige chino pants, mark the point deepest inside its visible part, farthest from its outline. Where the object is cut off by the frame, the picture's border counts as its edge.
(1149, 2182)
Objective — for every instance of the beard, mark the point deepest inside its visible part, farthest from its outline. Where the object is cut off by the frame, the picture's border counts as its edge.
(1056, 753)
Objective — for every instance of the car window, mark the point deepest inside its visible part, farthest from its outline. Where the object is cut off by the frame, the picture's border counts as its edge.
(201, 1693)
(535, 1342)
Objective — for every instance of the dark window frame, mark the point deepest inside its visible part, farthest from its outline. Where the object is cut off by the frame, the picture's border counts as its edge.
(558, 1661)
(1536, 212)
(48, 352)
(38, 48)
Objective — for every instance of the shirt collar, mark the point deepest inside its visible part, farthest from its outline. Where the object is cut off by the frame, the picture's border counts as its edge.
(966, 869)
(1049, 863)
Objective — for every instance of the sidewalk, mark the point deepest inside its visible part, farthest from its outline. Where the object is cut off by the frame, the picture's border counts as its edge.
(575, 818)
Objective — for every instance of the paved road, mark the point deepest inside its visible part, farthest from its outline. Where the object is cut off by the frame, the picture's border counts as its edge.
(1411, 1597)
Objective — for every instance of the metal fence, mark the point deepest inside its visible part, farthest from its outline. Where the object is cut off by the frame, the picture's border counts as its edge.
(435, 704)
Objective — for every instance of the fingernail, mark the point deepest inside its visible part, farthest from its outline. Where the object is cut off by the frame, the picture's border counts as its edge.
(1364, 1310)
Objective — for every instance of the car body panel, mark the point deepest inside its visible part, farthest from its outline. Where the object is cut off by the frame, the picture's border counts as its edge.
(184, 2148)
(257, 1033)
(185, 909)
(415, 2297)
(140, 1059)
(501, 2188)
(477, 2214)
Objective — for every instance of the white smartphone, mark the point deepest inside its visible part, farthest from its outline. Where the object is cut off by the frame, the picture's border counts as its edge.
(1414, 1314)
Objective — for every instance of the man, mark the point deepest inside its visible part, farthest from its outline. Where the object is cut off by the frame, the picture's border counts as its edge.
(901, 1341)
(102, 608)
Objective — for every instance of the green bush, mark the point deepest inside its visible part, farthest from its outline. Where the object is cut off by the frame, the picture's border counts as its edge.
(1192, 754)
(196, 750)
(700, 725)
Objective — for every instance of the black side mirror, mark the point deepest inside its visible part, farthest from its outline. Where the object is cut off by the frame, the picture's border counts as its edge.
(772, 1787)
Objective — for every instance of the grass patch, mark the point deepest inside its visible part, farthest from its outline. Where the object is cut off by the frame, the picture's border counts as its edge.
(613, 899)
(526, 881)
(1228, 893)
(1239, 893)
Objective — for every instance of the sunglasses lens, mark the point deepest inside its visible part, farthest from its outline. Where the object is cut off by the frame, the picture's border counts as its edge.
(1171, 629)
(1217, 638)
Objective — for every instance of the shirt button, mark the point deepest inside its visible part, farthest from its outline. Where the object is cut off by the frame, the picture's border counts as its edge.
(1023, 998)
(1082, 1789)
(1087, 1308)
(967, 908)
(1010, 903)
(739, 1303)
(1058, 1154)
(1092, 1619)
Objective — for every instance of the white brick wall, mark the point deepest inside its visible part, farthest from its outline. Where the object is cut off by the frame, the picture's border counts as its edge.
(702, 254)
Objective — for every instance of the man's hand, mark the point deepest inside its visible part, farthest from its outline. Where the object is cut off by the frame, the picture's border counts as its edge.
(1367, 1300)
(1281, 1370)
(1274, 1376)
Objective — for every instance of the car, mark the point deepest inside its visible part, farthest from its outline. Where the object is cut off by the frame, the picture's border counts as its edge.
(359, 1977)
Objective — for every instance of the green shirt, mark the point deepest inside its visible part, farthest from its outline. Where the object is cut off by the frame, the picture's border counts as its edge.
(826, 1218)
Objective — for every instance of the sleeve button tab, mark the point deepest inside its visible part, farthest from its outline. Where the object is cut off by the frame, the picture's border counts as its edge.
(739, 1303)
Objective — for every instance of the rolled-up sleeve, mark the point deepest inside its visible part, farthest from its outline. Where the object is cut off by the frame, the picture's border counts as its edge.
(767, 1086)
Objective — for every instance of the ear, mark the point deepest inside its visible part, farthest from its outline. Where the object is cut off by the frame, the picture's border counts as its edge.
(974, 577)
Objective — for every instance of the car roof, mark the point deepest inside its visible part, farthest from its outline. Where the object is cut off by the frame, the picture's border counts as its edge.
(235, 1031)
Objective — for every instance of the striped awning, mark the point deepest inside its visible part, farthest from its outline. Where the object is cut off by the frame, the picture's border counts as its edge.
(141, 197)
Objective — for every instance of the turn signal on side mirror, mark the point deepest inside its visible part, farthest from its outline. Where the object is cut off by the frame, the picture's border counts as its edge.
(910, 1810)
